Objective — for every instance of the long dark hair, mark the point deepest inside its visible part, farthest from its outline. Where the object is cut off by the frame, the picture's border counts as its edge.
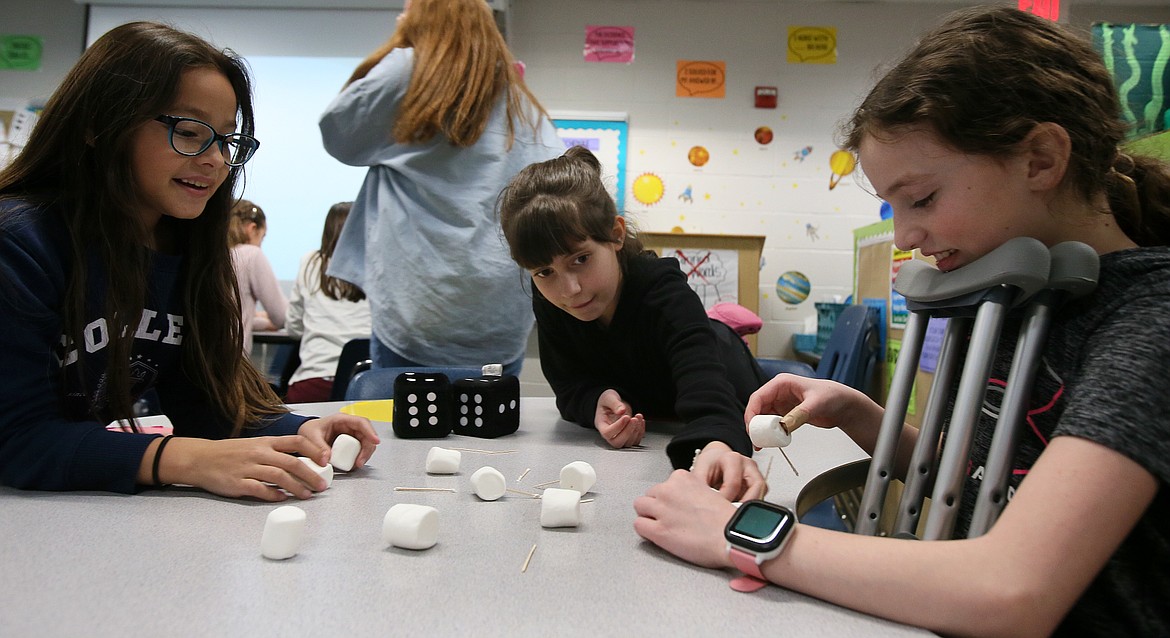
(333, 287)
(987, 76)
(78, 161)
(550, 206)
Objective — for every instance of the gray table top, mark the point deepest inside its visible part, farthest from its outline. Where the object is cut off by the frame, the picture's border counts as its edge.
(182, 562)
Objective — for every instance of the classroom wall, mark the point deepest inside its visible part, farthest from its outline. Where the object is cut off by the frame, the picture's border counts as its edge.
(780, 190)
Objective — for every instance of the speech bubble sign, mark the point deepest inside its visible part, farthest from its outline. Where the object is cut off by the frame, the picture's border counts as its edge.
(701, 78)
(609, 44)
(812, 45)
(20, 52)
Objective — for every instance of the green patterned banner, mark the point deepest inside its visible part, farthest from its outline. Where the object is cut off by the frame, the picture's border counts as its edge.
(20, 52)
(1138, 55)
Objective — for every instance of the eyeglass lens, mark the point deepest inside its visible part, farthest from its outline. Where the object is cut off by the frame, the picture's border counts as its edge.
(191, 137)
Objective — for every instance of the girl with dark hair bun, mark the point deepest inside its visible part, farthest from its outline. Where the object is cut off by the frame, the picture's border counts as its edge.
(115, 278)
(999, 124)
(621, 333)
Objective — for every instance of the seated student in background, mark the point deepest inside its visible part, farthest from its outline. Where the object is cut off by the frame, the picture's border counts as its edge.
(116, 278)
(997, 125)
(325, 312)
(254, 273)
(622, 334)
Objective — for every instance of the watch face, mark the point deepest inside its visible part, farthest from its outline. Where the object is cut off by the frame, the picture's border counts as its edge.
(760, 526)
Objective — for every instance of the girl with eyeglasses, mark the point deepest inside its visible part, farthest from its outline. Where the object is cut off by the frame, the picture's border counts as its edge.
(115, 278)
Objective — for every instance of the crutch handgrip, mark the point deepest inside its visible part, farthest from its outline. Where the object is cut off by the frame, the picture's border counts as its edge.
(1022, 263)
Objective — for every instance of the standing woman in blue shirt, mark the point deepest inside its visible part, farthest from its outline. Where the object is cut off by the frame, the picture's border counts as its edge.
(115, 277)
(442, 122)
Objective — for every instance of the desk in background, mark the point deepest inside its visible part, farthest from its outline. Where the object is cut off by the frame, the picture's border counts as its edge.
(182, 562)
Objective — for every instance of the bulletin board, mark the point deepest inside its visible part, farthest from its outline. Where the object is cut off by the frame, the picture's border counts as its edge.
(875, 259)
(741, 250)
(607, 136)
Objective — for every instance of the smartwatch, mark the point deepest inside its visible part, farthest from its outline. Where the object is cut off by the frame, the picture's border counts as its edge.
(756, 532)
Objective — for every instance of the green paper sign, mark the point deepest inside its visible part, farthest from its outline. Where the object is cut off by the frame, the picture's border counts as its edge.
(20, 52)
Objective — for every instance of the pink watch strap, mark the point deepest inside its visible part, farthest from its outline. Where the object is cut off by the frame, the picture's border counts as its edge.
(753, 580)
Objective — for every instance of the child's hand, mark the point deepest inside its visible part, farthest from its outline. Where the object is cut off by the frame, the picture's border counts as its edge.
(615, 422)
(260, 467)
(737, 477)
(686, 518)
(824, 403)
(323, 431)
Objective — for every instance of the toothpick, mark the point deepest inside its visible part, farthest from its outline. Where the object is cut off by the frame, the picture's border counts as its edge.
(473, 450)
(789, 462)
(769, 470)
(547, 483)
(586, 500)
(423, 489)
(522, 492)
(529, 559)
(523, 475)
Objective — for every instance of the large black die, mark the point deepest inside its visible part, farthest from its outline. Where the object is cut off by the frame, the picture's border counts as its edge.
(487, 406)
(422, 405)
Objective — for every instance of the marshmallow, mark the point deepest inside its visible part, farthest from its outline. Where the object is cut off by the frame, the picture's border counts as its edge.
(411, 526)
(443, 461)
(345, 451)
(283, 531)
(560, 508)
(766, 430)
(324, 472)
(488, 483)
(579, 476)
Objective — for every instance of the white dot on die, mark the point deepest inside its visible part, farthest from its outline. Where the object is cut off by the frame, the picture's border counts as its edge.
(434, 420)
(414, 423)
(432, 408)
(501, 408)
(412, 410)
(463, 408)
(512, 405)
(478, 422)
(411, 398)
(479, 409)
(479, 398)
(463, 421)
(463, 397)
(431, 396)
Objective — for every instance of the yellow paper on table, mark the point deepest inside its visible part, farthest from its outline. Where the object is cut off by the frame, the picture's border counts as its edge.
(382, 410)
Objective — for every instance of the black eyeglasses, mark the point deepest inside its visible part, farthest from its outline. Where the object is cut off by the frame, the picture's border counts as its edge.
(191, 137)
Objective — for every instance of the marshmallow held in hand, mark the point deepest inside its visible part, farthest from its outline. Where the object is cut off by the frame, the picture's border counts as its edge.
(284, 529)
(579, 476)
(345, 451)
(766, 430)
(411, 526)
(324, 472)
(443, 461)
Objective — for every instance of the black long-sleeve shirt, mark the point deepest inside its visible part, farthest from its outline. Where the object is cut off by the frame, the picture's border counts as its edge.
(659, 353)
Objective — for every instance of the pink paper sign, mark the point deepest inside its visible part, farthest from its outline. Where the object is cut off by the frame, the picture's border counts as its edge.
(609, 44)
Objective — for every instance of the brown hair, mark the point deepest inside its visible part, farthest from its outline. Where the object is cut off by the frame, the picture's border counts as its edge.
(333, 287)
(244, 213)
(461, 66)
(550, 206)
(78, 161)
(987, 76)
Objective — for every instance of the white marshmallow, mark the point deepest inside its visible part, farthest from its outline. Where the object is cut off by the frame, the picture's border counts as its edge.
(579, 476)
(283, 532)
(766, 430)
(560, 508)
(488, 483)
(345, 451)
(411, 526)
(324, 472)
(443, 461)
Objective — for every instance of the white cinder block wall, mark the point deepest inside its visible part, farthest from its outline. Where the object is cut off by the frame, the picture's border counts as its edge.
(745, 188)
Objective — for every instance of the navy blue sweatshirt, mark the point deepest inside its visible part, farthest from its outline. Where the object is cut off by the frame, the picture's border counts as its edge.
(51, 436)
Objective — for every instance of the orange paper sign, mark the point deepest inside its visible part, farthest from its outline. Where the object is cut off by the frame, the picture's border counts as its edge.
(697, 78)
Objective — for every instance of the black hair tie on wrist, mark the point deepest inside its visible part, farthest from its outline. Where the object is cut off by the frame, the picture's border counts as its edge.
(158, 457)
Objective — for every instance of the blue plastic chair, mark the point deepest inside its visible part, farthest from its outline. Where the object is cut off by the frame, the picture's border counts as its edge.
(773, 367)
(378, 383)
(353, 353)
(853, 351)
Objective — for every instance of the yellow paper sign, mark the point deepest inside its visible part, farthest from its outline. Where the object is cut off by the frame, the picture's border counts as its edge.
(698, 78)
(812, 45)
(381, 410)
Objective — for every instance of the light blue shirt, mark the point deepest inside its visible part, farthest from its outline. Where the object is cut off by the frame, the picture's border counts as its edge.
(422, 239)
